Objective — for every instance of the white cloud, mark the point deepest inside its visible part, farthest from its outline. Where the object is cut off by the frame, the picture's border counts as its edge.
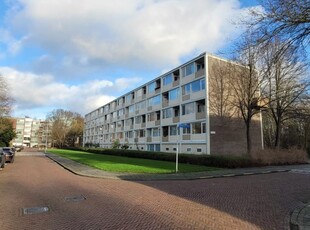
(134, 33)
(32, 91)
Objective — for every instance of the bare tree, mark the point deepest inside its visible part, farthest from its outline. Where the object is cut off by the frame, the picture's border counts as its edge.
(246, 83)
(285, 73)
(289, 20)
(76, 130)
(219, 89)
(65, 124)
(5, 98)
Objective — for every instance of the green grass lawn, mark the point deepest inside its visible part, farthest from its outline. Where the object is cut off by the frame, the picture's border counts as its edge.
(126, 164)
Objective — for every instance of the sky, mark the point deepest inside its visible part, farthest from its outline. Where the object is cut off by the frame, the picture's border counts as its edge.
(80, 55)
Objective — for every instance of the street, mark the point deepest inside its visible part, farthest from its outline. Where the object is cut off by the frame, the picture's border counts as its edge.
(37, 193)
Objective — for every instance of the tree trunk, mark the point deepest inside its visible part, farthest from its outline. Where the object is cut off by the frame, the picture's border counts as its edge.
(248, 137)
(278, 134)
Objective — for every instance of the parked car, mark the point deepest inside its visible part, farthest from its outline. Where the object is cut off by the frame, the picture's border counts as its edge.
(2, 159)
(9, 154)
(19, 148)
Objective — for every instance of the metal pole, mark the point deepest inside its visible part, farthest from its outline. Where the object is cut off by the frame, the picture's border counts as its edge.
(177, 155)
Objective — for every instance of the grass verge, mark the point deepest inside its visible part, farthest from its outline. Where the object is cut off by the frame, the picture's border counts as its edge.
(126, 164)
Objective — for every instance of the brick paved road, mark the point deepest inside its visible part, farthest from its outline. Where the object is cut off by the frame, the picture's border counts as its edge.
(249, 202)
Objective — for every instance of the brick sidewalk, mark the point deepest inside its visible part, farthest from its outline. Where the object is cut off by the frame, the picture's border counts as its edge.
(249, 202)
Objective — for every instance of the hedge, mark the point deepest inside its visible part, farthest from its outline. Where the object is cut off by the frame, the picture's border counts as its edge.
(206, 160)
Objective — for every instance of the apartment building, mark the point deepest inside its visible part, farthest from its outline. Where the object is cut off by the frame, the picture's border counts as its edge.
(173, 110)
(30, 132)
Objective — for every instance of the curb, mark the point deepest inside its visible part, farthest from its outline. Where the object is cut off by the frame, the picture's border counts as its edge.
(96, 173)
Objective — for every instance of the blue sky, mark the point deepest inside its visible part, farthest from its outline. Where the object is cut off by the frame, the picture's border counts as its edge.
(79, 55)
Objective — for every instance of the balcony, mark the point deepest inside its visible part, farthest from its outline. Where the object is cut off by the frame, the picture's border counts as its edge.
(200, 115)
(200, 73)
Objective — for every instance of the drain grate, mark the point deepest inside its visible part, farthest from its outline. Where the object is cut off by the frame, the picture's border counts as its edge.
(35, 210)
(75, 198)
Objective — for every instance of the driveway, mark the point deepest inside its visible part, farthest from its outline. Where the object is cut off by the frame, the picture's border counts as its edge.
(37, 193)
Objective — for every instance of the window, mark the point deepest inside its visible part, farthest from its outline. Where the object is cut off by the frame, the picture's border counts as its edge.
(106, 108)
(121, 112)
(139, 92)
(128, 98)
(188, 149)
(167, 79)
(187, 89)
(199, 150)
(197, 128)
(120, 124)
(149, 132)
(198, 85)
(151, 117)
(131, 108)
(153, 147)
(173, 130)
(167, 149)
(200, 106)
(187, 130)
(129, 122)
(151, 87)
(188, 108)
(173, 94)
(129, 134)
(140, 133)
(189, 69)
(156, 132)
(154, 100)
(167, 113)
(140, 105)
(138, 120)
(194, 86)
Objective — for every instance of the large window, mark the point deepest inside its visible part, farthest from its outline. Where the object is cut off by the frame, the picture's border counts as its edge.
(140, 105)
(173, 130)
(194, 86)
(154, 100)
(151, 87)
(199, 127)
(198, 85)
(138, 120)
(131, 108)
(167, 79)
(189, 69)
(120, 112)
(129, 134)
(173, 94)
(188, 108)
(156, 132)
(167, 113)
(128, 98)
(140, 133)
(139, 92)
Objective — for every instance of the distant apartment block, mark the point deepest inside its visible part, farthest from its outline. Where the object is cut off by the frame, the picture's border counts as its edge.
(30, 132)
(183, 99)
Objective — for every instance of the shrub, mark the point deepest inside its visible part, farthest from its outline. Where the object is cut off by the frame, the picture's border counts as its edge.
(280, 157)
(206, 160)
(116, 144)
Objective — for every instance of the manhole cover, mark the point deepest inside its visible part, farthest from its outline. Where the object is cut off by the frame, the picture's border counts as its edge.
(75, 198)
(35, 210)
